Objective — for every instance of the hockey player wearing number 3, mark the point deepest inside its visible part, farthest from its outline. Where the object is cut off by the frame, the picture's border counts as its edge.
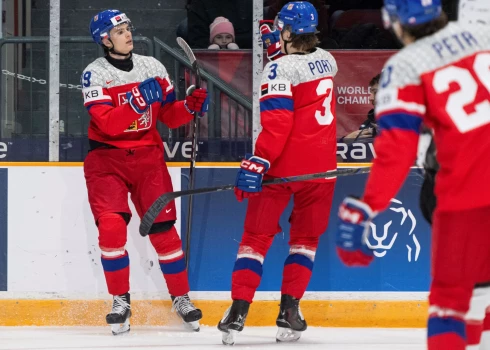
(441, 78)
(298, 137)
(125, 94)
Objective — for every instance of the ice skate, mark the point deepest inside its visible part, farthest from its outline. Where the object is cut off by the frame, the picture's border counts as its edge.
(119, 316)
(233, 321)
(290, 320)
(187, 311)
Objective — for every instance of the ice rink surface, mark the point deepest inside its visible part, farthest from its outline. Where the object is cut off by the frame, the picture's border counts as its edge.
(168, 338)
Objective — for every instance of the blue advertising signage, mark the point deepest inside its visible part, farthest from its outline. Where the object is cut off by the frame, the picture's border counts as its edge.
(400, 238)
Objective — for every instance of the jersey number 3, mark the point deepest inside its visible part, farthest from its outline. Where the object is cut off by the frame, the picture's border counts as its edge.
(325, 88)
(466, 95)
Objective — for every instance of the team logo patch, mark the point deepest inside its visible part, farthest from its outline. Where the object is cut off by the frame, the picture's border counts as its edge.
(93, 94)
(264, 89)
(276, 88)
(96, 18)
(143, 123)
(290, 6)
(116, 20)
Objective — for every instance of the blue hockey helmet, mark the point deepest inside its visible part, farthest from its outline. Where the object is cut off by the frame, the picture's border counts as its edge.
(414, 12)
(102, 23)
(301, 16)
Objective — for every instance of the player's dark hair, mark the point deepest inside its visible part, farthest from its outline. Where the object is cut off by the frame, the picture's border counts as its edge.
(375, 80)
(304, 42)
(426, 29)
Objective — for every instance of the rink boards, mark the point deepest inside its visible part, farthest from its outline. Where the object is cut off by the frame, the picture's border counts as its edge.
(50, 271)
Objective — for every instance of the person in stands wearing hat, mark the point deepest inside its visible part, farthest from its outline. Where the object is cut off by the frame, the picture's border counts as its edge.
(222, 34)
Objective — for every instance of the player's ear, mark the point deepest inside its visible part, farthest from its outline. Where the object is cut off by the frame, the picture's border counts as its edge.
(107, 43)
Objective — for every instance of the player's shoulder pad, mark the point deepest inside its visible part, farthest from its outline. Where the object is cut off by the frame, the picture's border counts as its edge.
(399, 71)
(276, 81)
(93, 74)
(329, 57)
(399, 78)
(93, 80)
(277, 70)
(153, 65)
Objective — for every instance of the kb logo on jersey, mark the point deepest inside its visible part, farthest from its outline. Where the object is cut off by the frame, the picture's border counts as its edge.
(278, 87)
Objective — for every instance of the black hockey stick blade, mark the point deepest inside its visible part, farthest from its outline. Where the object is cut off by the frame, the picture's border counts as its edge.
(162, 201)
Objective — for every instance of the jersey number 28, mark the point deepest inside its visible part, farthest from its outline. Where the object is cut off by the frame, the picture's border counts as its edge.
(325, 88)
(466, 95)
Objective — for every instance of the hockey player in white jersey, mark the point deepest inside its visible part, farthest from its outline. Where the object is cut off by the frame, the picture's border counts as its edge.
(125, 95)
(297, 114)
(441, 78)
(478, 317)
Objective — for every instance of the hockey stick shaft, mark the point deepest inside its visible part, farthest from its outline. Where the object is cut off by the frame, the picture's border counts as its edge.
(165, 199)
(192, 166)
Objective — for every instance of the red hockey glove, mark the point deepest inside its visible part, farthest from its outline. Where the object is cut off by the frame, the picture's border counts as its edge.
(353, 232)
(167, 89)
(196, 100)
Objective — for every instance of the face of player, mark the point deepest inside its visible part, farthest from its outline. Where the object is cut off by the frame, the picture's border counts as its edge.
(372, 94)
(223, 39)
(285, 35)
(122, 39)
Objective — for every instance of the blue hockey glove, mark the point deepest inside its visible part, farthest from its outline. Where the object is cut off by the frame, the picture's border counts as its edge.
(270, 39)
(353, 231)
(269, 36)
(196, 101)
(249, 178)
(142, 96)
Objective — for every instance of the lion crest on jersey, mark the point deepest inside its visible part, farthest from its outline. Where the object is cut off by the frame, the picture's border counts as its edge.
(143, 123)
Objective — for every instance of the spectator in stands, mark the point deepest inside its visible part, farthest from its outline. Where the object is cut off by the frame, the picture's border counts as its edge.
(202, 13)
(368, 128)
(222, 34)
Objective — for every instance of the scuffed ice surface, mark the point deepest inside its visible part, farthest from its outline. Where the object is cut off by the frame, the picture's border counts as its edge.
(169, 338)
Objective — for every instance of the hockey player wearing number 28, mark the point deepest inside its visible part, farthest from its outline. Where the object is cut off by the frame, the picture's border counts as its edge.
(125, 94)
(441, 78)
(298, 137)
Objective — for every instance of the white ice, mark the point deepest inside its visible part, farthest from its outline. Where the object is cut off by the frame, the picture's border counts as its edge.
(168, 338)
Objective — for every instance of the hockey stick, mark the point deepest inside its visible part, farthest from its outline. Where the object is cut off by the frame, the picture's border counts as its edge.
(162, 201)
(192, 166)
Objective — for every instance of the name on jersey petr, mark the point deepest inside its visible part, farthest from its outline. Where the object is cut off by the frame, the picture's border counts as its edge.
(453, 44)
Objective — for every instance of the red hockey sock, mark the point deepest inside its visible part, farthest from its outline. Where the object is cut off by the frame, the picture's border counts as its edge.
(446, 333)
(172, 261)
(247, 273)
(474, 329)
(296, 275)
(116, 271)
